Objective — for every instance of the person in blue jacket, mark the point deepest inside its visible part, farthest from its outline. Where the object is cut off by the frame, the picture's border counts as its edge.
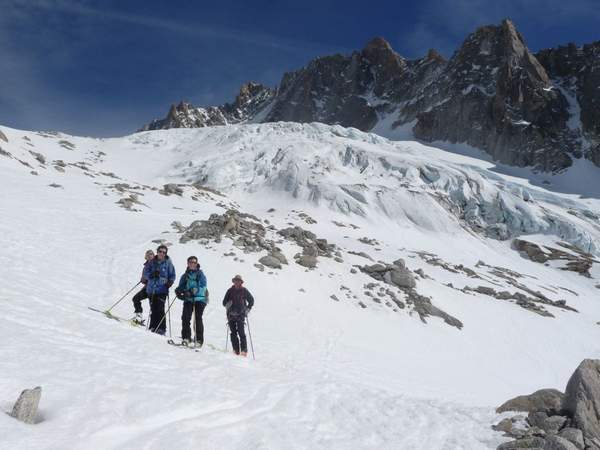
(160, 274)
(192, 290)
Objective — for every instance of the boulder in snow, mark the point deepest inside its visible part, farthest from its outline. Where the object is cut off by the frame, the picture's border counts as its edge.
(270, 261)
(582, 399)
(26, 407)
(547, 400)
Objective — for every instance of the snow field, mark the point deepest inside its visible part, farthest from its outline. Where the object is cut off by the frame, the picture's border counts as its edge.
(327, 375)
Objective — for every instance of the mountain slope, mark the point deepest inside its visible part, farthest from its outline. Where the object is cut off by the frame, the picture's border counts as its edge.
(346, 373)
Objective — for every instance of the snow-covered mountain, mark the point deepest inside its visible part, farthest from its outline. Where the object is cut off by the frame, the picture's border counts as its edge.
(402, 292)
(523, 109)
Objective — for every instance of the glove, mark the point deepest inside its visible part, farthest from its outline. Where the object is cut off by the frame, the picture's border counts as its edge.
(155, 275)
(179, 293)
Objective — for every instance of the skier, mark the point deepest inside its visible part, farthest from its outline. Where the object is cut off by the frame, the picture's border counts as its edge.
(142, 294)
(192, 290)
(238, 302)
(160, 274)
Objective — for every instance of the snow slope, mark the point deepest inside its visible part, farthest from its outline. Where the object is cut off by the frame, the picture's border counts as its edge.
(328, 374)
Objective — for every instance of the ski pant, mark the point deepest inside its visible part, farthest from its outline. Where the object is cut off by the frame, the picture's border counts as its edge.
(137, 300)
(236, 326)
(196, 309)
(157, 313)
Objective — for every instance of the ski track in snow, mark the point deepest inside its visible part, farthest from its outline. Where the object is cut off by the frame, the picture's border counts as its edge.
(327, 375)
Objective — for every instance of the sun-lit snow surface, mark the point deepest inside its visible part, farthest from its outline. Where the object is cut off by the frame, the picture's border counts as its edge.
(328, 374)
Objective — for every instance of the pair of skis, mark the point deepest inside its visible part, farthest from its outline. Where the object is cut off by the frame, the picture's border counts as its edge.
(135, 323)
(110, 315)
(192, 346)
(184, 344)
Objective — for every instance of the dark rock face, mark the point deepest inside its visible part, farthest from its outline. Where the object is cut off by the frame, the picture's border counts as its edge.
(354, 90)
(495, 95)
(576, 70)
(523, 109)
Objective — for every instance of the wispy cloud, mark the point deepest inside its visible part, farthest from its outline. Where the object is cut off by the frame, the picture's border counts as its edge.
(85, 9)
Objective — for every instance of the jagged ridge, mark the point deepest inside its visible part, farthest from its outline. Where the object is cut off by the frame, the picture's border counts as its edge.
(523, 109)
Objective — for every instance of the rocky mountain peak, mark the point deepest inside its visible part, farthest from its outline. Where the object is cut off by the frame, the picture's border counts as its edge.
(250, 91)
(379, 53)
(512, 38)
(378, 43)
(251, 99)
(434, 55)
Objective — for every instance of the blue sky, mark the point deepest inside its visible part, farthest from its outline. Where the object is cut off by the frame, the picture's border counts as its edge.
(104, 68)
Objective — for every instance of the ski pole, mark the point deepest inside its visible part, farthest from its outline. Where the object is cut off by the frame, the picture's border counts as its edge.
(164, 315)
(124, 295)
(250, 336)
(169, 313)
(194, 322)
(226, 335)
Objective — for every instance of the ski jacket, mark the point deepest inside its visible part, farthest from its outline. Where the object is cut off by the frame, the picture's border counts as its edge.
(160, 276)
(192, 287)
(237, 302)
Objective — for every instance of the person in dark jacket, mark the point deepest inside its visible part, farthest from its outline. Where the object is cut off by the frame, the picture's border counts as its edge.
(238, 302)
(160, 274)
(142, 294)
(192, 290)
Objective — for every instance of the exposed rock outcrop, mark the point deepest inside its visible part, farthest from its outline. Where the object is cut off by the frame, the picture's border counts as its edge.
(556, 421)
(252, 98)
(576, 260)
(312, 247)
(582, 400)
(398, 275)
(546, 400)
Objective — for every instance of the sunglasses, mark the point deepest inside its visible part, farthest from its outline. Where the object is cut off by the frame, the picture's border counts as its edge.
(162, 251)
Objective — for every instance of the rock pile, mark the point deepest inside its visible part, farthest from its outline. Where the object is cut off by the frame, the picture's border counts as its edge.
(171, 189)
(557, 421)
(397, 274)
(312, 247)
(577, 261)
(524, 301)
(245, 229)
